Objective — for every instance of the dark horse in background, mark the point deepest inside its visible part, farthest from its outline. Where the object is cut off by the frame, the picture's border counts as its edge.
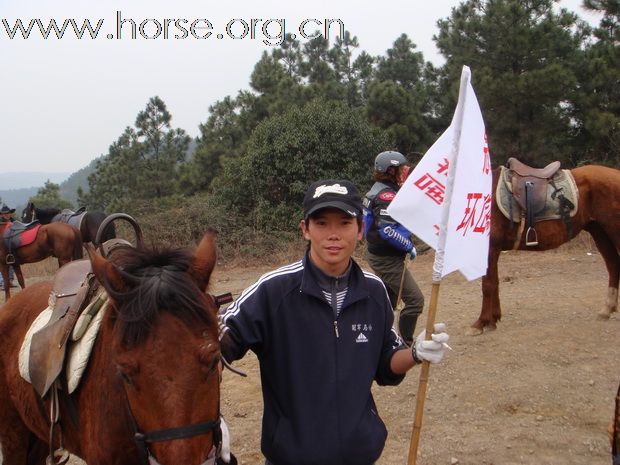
(151, 392)
(87, 222)
(598, 212)
(58, 240)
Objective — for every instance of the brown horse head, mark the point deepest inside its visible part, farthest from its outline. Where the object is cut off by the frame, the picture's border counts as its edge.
(165, 348)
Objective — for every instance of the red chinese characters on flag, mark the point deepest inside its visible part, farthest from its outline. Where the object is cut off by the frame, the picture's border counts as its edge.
(486, 166)
(477, 215)
(443, 167)
(433, 187)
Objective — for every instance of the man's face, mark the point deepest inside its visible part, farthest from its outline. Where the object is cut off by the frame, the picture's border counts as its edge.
(6, 216)
(333, 236)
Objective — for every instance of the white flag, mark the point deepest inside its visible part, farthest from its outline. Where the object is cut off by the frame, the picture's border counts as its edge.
(446, 200)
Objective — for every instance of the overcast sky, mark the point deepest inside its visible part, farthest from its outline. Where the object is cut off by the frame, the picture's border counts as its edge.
(66, 100)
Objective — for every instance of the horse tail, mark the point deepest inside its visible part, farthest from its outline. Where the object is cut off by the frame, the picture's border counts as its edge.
(77, 246)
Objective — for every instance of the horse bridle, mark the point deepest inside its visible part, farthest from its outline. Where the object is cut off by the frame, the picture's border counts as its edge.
(187, 431)
(180, 432)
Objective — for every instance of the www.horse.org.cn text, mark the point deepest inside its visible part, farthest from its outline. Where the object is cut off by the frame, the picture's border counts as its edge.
(271, 31)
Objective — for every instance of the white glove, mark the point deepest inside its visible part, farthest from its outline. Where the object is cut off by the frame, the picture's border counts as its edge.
(432, 351)
(413, 253)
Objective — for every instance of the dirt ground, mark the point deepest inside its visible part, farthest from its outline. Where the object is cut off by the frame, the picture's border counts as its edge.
(537, 391)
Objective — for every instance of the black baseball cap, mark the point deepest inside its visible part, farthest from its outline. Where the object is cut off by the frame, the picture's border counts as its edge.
(333, 193)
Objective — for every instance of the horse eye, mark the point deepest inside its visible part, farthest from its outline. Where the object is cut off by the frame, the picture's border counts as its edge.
(124, 375)
(126, 379)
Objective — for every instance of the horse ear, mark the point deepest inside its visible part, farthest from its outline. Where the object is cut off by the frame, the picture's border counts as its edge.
(204, 260)
(105, 271)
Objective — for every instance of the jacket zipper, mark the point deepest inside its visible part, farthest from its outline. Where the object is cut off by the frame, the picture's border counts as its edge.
(335, 305)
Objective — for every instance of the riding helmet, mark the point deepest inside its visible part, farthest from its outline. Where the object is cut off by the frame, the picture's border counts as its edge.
(389, 158)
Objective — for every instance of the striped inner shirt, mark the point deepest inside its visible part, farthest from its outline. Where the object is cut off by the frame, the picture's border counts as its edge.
(339, 299)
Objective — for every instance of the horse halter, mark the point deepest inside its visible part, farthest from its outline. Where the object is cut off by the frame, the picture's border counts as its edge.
(179, 432)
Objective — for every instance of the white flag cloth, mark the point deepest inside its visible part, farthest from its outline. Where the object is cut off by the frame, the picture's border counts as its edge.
(446, 200)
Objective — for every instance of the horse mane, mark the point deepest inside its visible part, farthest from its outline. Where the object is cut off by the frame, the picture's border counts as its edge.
(157, 280)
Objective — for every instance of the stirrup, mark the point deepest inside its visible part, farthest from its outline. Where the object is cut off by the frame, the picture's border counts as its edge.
(61, 456)
(10, 259)
(528, 242)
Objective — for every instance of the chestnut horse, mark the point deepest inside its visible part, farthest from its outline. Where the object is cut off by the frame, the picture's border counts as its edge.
(598, 213)
(151, 391)
(53, 240)
(88, 226)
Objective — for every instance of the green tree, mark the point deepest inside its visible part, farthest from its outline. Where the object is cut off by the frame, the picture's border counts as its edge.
(143, 163)
(598, 109)
(48, 196)
(398, 98)
(264, 188)
(523, 57)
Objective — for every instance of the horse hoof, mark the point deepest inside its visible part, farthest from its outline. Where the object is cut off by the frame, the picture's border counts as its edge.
(473, 331)
(490, 327)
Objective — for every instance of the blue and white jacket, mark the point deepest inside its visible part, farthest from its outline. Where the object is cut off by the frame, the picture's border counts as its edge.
(316, 369)
(385, 237)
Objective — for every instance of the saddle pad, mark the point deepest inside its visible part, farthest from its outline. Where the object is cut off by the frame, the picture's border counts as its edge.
(76, 220)
(563, 180)
(70, 217)
(78, 352)
(26, 237)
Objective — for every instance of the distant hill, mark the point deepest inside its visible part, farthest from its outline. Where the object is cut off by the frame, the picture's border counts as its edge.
(68, 189)
(19, 180)
(17, 198)
(17, 188)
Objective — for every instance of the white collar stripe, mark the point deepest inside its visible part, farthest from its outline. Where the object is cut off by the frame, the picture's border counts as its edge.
(288, 269)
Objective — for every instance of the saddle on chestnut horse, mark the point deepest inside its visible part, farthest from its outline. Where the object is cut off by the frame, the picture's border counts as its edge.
(527, 195)
(74, 288)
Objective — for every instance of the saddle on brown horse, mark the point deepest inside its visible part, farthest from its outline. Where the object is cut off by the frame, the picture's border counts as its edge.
(74, 287)
(529, 187)
(16, 235)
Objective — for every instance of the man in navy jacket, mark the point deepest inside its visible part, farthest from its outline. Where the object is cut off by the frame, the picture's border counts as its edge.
(322, 331)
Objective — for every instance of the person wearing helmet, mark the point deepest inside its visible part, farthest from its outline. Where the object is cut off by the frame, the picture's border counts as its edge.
(390, 242)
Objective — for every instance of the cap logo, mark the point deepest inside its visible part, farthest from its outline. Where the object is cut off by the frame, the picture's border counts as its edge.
(332, 189)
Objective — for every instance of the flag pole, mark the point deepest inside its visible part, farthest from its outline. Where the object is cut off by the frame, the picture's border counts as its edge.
(438, 267)
(424, 373)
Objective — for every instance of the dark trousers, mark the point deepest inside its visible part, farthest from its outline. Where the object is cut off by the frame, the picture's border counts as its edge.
(390, 270)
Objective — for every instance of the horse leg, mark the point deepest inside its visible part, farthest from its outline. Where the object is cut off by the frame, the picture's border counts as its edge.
(491, 311)
(608, 250)
(4, 269)
(20, 276)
